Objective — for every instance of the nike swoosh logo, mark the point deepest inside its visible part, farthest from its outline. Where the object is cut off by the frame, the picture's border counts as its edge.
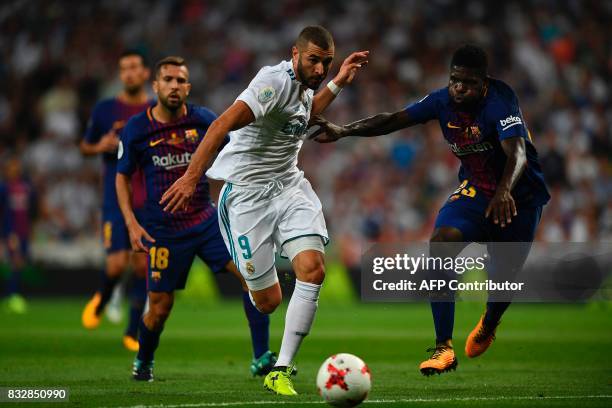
(155, 143)
(451, 126)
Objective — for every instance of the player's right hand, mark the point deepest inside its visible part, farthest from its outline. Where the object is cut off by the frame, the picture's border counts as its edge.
(137, 233)
(177, 197)
(501, 208)
(109, 143)
(327, 132)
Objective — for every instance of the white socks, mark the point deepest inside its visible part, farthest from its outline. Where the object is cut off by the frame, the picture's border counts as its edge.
(300, 314)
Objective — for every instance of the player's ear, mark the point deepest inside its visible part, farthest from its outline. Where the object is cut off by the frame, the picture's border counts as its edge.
(295, 53)
(147, 74)
(188, 87)
(155, 86)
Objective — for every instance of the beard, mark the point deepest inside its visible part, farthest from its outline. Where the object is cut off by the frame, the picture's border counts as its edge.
(172, 105)
(312, 82)
(132, 89)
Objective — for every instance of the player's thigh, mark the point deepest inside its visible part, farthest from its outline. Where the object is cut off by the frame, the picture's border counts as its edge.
(462, 213)
(139, 263)
(117, 262)
(169, 262)
(302, 218)
(18, 249)
(247, 233)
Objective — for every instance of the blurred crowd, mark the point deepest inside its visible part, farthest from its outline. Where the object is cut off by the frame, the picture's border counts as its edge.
(59, 57)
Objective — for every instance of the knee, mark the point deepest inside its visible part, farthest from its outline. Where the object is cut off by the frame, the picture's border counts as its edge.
(115, 267)
(158, 314)
(312, 271)
(446, 234)
(267, 306)
(268, 303)
(140, 266)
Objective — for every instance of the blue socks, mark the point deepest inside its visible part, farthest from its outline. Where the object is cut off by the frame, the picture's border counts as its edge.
(495, 310)
(148, 341)
(259, 323)
(444, 319)
(108, 285)
(138, 299)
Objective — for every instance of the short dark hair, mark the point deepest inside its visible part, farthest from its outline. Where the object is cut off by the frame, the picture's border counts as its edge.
(133, 53)
(171, 60)
(317, 35)
(472, 57)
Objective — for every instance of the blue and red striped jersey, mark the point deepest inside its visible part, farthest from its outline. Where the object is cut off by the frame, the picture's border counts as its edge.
(475, 138)
(17, 205)
(163, 151)
(113, 114)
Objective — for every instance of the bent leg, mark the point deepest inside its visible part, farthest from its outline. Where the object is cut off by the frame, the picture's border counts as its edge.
(309, 267)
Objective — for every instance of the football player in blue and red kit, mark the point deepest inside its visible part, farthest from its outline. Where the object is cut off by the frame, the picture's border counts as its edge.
(17, 209)
(161, 141)
(502, 189)
(108, 119)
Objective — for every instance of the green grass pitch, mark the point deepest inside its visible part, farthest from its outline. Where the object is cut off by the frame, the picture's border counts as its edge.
(545, 355)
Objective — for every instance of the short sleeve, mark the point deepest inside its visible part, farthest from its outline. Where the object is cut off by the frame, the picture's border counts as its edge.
(423, 110)
(209, 117)
(126, 153)
(94, 130)
(509, 120)
(264, 92)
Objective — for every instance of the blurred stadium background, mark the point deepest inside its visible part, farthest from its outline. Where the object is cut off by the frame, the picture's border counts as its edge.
(59, 57)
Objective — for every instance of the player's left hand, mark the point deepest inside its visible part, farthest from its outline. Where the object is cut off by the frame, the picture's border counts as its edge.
(327, 131)
(177, 197)
(502, 208)
(349, 67)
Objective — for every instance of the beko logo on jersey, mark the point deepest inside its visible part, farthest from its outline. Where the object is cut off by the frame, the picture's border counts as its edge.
(469, 149)
(510, 121)
(171, 161)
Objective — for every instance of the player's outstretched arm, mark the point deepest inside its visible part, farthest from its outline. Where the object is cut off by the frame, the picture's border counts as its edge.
(502, 206)
(124, 197)
(377, 125)
(177, 197)
(345, 76)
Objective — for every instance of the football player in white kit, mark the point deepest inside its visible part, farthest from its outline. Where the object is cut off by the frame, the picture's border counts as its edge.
(266, 203)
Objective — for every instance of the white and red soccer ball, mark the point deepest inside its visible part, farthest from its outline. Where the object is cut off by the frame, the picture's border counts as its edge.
(344, 380)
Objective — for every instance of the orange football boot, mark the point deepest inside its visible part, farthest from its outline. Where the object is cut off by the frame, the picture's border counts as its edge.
(480, 339)
(130, 343)
(89, 317)
(442, 360)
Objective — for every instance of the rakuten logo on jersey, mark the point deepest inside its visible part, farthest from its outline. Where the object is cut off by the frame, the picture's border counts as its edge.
(171, 161)
(510, 121)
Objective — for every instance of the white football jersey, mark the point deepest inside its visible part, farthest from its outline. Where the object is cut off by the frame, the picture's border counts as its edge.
(267, 149)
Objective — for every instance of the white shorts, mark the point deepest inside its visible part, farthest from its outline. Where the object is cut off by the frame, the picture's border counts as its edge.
(256, 221)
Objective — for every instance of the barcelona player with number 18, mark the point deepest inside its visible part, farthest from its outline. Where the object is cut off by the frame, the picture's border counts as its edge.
(160, 142)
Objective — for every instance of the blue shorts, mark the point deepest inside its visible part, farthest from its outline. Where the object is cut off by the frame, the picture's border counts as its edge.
(115, 235)
(170, 259)
(465, 211)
